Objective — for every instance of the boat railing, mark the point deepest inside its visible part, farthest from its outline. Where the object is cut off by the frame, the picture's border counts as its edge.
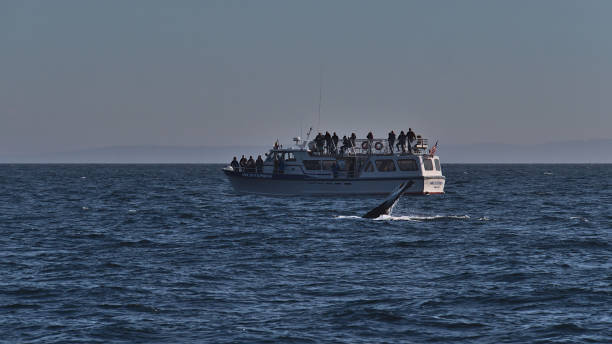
(376, 147)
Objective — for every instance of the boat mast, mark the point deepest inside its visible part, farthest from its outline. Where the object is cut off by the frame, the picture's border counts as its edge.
(320, 95)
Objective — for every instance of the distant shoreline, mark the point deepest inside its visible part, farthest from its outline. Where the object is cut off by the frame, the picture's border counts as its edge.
(224, 163)
(562, 152)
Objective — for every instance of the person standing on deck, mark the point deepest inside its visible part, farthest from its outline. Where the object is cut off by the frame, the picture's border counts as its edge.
(391, 140)
(353, 141)
(335, 142)
(243, 163)
(401, 142)
(319, 142)
(235, 165)
(259, 164)
(346, 143)
(370, 142)
(250, 165)
(328, 142)
(411, 139)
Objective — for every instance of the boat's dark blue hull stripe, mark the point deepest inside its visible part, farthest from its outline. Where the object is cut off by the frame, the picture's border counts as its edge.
(256, 176)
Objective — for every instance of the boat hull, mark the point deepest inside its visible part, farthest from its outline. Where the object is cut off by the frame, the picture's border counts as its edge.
(283, 185)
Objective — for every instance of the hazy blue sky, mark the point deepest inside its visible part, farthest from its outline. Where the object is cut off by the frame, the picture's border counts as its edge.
(81, 74)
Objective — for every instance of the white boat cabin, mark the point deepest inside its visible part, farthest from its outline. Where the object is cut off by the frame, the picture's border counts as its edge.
(359, 162)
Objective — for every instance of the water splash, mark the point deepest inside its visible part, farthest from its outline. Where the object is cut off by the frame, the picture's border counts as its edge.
(579, 218)
(416, 218)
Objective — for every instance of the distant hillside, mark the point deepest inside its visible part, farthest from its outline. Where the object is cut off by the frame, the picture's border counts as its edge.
(591, 151)
(141, 154)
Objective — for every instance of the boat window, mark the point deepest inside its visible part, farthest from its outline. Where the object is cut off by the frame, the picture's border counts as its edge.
(369, 167)
(428, 164)
(407, 165)
(437, 162)
(290, 157)
(385, 165)
(327, 164)
(312, 164)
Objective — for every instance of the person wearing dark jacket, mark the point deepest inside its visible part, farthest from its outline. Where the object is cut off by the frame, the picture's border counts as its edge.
(411, 138)
(243, 163)
(250, 165)
(259, 164)
(370, 138)
(335, 142)
(319, 142)
(235, 165)
(391, 140)
(328, 142)
(401, 142)
(346, 143)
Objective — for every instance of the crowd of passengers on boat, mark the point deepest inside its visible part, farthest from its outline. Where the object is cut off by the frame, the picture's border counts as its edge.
(328, 145)
(249, 166)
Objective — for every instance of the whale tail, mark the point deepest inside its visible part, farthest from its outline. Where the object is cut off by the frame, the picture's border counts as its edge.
(385, 207)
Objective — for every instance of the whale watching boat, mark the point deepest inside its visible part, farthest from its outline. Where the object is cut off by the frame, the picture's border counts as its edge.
(369, 167)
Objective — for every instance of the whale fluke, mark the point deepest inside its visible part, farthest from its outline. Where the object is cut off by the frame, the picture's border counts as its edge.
(385, 207)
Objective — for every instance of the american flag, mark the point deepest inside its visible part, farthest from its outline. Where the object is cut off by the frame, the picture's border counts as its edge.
(433, 149)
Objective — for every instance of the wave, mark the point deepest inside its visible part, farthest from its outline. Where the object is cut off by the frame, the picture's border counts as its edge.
(17, 306)
(417, 218)
(137, 307)
(421, 218)
(587, 243)
(340, 217)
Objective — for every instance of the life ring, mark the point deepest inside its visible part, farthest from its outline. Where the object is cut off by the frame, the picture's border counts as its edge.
(378, 145)
(364, 145)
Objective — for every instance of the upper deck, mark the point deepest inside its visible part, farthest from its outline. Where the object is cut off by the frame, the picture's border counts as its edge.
(378, 161)
(362, 148)
(382, 147)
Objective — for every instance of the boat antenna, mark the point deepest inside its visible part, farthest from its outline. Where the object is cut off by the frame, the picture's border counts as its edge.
(320, 95)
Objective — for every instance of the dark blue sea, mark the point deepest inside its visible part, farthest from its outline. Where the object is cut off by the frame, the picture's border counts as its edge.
(170, 254)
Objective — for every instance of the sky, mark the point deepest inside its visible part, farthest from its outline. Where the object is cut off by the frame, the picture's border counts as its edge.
(85, 74)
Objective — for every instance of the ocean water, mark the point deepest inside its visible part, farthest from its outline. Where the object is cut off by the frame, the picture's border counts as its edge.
(170, 254)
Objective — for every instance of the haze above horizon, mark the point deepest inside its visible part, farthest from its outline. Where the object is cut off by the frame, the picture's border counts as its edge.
(78, 75)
